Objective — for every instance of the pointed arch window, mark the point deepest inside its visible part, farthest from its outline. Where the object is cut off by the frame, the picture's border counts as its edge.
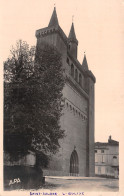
(80, 79)
(74, 164)
(76, 75)
(72, 70)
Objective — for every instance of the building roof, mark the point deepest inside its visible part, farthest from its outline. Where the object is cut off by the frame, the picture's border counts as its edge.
(110, 142)
(113, 142)
(54, 19)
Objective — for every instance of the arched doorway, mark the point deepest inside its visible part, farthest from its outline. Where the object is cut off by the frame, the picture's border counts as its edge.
(74, 164)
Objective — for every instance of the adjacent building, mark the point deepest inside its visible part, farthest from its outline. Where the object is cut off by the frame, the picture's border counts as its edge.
(76, 155)
(107, 158)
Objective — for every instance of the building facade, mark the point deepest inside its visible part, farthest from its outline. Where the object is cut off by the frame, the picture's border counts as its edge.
(107, 158)
(76, 155)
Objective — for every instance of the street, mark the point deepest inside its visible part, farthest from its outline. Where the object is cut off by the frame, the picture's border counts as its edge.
(82, 184)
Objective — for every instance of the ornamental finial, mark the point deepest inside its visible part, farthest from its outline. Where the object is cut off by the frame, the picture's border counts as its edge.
(72, 18)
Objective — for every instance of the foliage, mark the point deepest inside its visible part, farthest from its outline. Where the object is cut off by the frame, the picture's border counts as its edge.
(33, 83)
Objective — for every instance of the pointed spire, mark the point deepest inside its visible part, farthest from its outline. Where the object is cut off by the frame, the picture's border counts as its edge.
(72, 33)
(54, 19)
(85, 64)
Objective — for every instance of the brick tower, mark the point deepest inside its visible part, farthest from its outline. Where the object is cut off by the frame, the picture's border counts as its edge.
(76, 155)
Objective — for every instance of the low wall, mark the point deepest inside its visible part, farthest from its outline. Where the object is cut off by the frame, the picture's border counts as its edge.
(22, 177)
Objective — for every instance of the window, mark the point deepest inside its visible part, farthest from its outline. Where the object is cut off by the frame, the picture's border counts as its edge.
(76, 75)
(80, 79)
(103, 159)
(102, 151)
(67, 60)
(95, 151)
(114, 157)
(99, 170)
(72, 70)
(96, 159)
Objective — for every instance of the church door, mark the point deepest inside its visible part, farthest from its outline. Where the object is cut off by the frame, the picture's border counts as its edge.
(74, 164)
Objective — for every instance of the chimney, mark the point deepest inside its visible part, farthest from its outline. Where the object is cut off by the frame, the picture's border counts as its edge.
(110, 138)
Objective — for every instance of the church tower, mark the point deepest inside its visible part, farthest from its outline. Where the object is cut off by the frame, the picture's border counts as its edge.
(76, 154)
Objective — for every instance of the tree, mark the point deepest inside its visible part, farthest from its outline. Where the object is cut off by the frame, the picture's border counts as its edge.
(33, 83)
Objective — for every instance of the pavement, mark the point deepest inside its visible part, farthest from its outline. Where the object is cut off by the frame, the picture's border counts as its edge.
(87, 184)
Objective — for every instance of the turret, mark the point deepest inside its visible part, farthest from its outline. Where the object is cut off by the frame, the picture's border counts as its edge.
(72, 42)
(84, 63)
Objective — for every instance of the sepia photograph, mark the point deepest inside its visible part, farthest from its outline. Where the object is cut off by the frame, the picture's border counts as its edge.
(62, 100)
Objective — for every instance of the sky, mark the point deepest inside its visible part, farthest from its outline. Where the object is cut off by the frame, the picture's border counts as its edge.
(99, 27)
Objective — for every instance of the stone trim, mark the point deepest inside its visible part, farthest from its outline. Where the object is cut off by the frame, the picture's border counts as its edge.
(76, 111)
